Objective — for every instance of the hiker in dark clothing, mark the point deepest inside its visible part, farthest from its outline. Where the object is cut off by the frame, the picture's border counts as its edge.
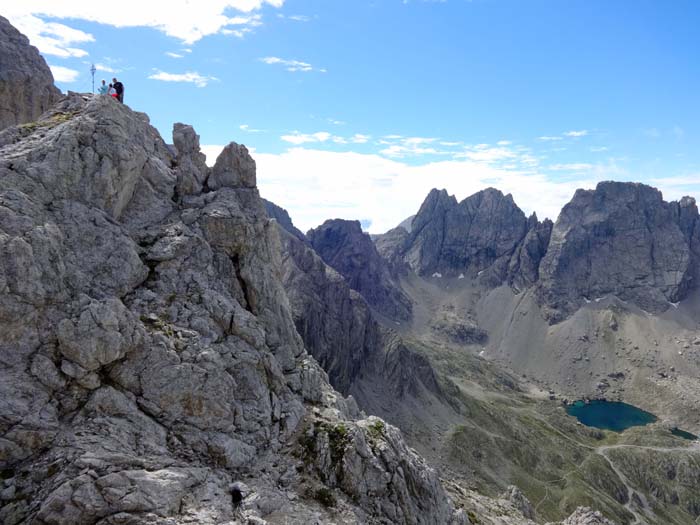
(119, 88)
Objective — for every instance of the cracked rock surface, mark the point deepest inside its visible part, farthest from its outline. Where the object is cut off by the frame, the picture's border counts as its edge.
(148, 354)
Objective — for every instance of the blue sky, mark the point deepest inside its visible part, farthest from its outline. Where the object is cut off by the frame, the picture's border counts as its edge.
(356, 109)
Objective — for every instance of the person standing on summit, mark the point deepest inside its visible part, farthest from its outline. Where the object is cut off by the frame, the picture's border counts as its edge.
(119, 88)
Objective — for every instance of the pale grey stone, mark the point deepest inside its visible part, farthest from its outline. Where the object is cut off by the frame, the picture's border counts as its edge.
(26, 82)
(234, 168)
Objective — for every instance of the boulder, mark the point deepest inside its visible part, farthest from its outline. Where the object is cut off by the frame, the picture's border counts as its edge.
(234, 168)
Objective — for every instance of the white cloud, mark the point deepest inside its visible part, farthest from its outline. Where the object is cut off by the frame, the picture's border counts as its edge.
(549, 138)
(248, 129)
(174, 55)
(575, 133)
(291, 65)
(106, 68)
(51, 38)
(359, 138)
(574, 166)
(64, 74)
(399, 146)
(483, 153)
(298, 138)
(365, 186)
(674, 188)
(211, 151)
(177, 18)
(191, 77)
(304, 138)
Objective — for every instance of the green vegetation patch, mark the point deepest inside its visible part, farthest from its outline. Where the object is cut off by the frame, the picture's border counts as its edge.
(54, 120)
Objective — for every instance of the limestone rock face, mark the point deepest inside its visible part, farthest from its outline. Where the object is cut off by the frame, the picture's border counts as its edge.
(283, 219)
(346, 248)
(586, 516)
(26, 82)
(452, 238)
(524, 266)
(519, 501)
(337, 453)
(234, 168)
(192, 170)
(620, 239)
(148, 354)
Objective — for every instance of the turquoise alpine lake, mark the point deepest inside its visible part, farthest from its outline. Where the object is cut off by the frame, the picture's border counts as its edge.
(609, 415)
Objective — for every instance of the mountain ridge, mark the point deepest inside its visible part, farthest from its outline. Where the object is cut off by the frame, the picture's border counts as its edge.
(159, 327)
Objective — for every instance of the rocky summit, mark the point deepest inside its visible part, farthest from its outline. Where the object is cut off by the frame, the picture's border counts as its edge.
(173, 350)
(620, 239)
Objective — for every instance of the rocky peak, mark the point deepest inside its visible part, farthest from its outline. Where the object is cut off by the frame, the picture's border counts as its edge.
(26, 82)
(234, 168)
(452, 238)
(283, 219)
(524, 267)
(350, 251)
(620, 239)
(192, 170)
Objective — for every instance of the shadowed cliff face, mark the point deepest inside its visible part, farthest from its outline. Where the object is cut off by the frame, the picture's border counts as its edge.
(340, 330)
(453, 238)
(346, 248)
(26, 82)
(621, 239)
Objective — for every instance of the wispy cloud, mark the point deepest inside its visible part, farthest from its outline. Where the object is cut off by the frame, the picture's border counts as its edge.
(573, 134)
(174, 55)
(298, 138)
(52, 38)
(304, 138)
(64, 74)
(292, 65)
(248, 129)
(397, 146)
(574, 166)
(106, 68)
(175, 18)
(576, 133)
(188, 77)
